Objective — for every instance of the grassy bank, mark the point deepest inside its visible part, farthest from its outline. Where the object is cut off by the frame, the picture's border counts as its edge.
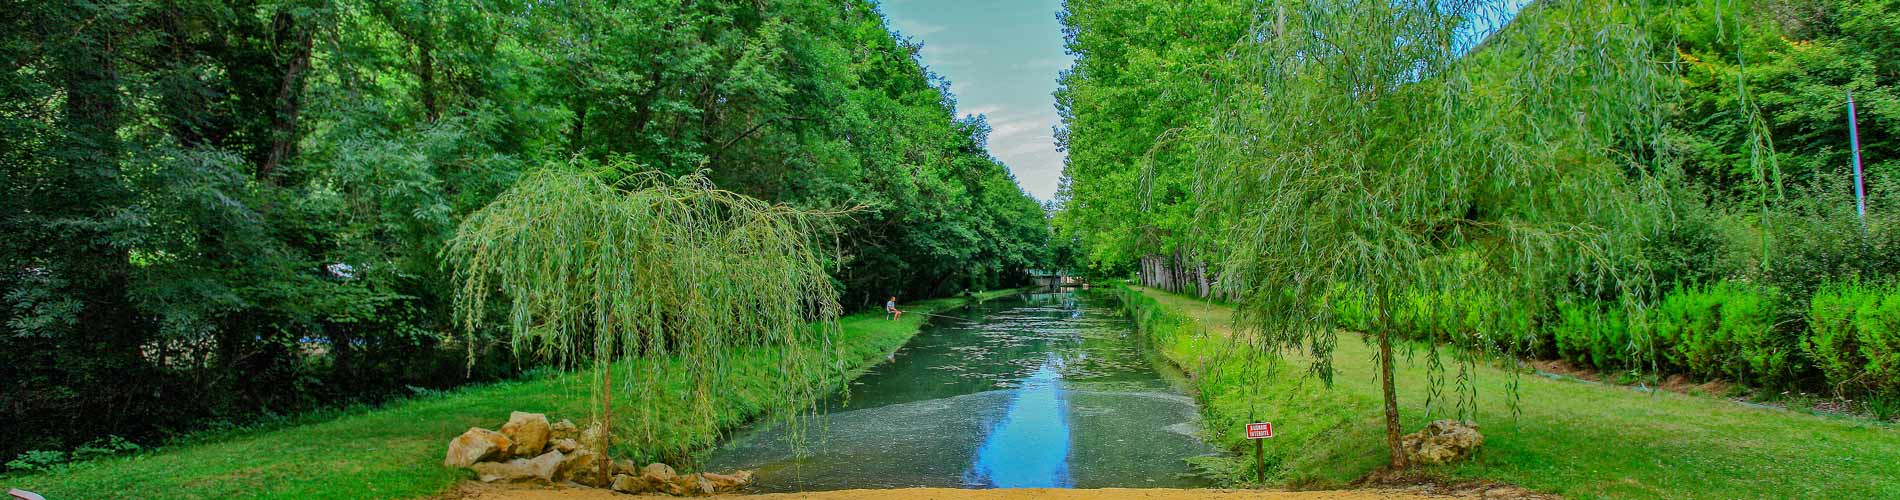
(396, 451)
(1573, 438)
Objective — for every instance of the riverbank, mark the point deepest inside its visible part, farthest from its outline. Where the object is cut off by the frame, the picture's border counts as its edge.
(1573, 438)
(395, 451)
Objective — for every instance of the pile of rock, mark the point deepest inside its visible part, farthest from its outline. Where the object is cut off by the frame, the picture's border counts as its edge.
(529, 449)
(1442, 441)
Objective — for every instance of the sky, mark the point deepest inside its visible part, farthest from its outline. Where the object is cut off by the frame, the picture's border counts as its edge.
(1002, 58)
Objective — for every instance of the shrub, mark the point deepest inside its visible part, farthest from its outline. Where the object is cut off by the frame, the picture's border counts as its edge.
(1854, 337)
(1724, 330)
(1596, 336)
(1831, 340)
(1349, 307)
(1878, 322)
(37, 461)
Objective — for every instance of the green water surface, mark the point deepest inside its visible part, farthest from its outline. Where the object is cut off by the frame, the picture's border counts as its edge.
(1039, 390)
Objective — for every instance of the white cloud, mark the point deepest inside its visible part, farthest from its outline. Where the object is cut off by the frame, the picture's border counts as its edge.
(1024, 141)
(916, 29)
(1047, 63)
(983, 110)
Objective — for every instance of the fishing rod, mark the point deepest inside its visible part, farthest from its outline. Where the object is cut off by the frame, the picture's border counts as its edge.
(944, 317)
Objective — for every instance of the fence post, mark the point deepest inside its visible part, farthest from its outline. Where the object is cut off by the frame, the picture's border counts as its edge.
(1853, 137)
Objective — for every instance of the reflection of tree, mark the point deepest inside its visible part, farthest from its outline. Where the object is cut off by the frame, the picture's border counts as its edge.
(1008, 341)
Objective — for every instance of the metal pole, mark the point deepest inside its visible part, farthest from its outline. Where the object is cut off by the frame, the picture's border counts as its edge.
(1853, 136)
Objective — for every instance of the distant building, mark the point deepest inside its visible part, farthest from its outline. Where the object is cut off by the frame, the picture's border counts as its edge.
(1052, 278)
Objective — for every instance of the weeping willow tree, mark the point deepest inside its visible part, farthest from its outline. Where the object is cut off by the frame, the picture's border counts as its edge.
(1389, 148)
(646, 274)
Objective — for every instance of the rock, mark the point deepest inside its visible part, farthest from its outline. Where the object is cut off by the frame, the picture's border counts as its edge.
(564, 445)
(541, 468)
(581, 466)
(546, 465)
(1442, 441)
(628, 483)
(592, 437)
(624, 466)
(509, 471)
(657, 473)
(728, 483)
(474, 446)
(563, 429)
(529, 431)
(690, 485)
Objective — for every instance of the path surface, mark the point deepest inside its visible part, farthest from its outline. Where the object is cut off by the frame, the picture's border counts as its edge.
(505, 493)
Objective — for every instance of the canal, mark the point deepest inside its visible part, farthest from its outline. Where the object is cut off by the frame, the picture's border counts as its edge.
(1038, 390)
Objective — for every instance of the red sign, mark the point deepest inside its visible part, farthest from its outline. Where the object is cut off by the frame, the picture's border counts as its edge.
(1260, 430)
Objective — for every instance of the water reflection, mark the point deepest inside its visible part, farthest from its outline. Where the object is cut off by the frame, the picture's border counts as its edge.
(1046, 390)
(1030, 447)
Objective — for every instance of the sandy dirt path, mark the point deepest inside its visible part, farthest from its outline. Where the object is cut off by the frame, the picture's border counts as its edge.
(485, 492)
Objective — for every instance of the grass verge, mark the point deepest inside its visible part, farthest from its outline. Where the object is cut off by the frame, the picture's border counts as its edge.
(395, 451)
(1578, 439)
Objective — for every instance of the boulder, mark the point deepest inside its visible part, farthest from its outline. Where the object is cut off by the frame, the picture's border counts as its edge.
(564, 429)
(529, 431)
(724, 483)
(563, 445)
(547, 465)
(476, 445)
(581, 466)
(628, 483)
(1442, 441)
(689, 485)
(541, 468)
(657, 473)
(593, 437)
(624, 466)
(509, 471)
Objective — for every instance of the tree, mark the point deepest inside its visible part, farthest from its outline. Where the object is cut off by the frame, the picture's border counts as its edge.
(1380, 148)
(218, 210)
(621, 278)
(1132, 108)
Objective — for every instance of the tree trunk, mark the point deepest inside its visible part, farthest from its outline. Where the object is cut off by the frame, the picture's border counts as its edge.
(1392, 430)
(289, 98)
(606, 426)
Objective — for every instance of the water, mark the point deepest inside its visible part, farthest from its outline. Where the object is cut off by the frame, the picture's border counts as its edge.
(1043, 390)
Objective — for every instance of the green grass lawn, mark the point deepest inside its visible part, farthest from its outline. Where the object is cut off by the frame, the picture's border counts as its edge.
(1574, 438)
(396, 451)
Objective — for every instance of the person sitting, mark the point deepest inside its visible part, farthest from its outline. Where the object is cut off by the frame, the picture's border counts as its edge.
(890, 307)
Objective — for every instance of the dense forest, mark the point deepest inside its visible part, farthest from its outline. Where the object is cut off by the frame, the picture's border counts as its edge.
(216, 211)
(1755, 265)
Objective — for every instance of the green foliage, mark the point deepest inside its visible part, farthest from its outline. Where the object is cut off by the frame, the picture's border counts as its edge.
(1832, 339)
(1726, 330)
(1132, 108)
(665, 280)
(1740, 143)
(1358, 145)
(220, 212)
(1562, 436)
(37, 461)
(1597, 336)
(1854, 337)
(395, 450)
(1236, 386)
